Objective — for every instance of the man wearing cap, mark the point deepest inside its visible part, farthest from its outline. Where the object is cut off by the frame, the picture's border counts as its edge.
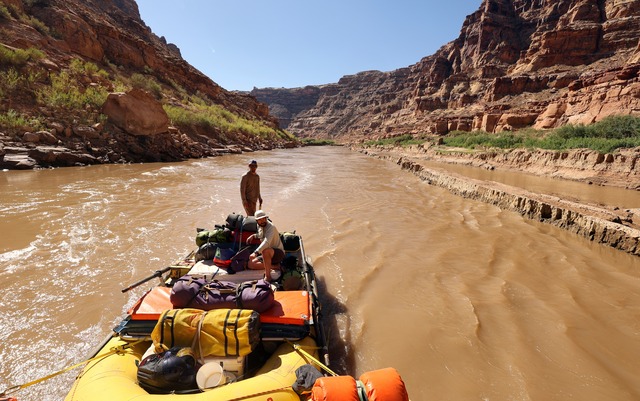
(250, 189)
(270, 246)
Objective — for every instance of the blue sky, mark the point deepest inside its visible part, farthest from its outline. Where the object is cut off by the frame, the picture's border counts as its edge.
(242, 44)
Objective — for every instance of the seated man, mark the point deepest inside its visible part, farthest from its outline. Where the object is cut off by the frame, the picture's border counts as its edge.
(270, 246)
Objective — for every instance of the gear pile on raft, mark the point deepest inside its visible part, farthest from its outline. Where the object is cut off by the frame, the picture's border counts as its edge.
(214, 330)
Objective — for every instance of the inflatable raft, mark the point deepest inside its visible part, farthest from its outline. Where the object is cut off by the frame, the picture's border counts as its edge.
(277, 354)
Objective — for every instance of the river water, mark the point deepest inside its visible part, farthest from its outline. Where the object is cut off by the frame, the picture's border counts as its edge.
(466, 301)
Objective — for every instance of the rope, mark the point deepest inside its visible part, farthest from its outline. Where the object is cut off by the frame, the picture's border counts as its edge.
(114, 350)
(299, 349)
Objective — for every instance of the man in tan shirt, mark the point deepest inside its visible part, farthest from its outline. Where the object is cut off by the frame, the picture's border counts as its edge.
(270, 246)
(250, 189)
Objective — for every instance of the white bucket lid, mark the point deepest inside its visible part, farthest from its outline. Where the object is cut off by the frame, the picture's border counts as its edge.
(210, 375)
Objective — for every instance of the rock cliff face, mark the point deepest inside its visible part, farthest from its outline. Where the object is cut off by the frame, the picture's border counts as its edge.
(516, 63)
(109, 34)
(113, 31)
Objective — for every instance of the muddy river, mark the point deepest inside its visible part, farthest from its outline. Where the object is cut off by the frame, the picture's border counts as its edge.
(466, 301)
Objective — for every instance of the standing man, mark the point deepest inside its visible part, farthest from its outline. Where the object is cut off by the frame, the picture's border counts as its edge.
(270, 246)
(250, 189)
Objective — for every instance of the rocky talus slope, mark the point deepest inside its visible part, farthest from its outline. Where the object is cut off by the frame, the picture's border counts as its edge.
(515, 64)
(54, 54)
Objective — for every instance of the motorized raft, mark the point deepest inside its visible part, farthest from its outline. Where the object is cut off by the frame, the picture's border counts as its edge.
(214, 330)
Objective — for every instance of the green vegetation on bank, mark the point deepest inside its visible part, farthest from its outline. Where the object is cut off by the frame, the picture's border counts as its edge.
(80, 90)
(12, 12)
(66, 90)
(317, 142)
(18, 57)
(605, 136)
(214, 117)
(15, 120)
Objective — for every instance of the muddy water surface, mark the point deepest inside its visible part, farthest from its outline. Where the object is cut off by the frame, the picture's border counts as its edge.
(468, 302)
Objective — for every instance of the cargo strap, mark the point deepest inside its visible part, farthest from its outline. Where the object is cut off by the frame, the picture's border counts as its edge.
(196, 339)
(299, 350)
(114, 350)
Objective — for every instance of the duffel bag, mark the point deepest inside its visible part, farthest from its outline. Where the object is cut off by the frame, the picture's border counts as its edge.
(290, 241)
(256, 295)
(250, 224)
(223, 256)
(219, 235)
(206, 251)
(241, 237)
(240, 260)
(219, 333)
(196, 292)
(234, 221)
(170, 371)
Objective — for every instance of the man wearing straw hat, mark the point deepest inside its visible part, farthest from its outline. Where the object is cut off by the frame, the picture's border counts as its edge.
(270, 248)
(250, 189)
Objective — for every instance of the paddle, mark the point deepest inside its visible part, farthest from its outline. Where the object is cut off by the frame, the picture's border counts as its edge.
(158, 273)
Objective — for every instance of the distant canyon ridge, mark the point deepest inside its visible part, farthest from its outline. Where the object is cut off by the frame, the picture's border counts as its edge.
(516, 64)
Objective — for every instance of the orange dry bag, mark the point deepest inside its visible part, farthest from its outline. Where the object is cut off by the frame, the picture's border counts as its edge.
(336, 388)
(384, 385)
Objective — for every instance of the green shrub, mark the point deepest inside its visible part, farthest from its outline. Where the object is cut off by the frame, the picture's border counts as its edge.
(37, 24)
(219, 119)
(80, 67)
(617, 127)
(146, 83)
(13, 120)
(4, 12)
(19, 57)
(317, 142)
(66, 92)
(10, 80)
(605, 136)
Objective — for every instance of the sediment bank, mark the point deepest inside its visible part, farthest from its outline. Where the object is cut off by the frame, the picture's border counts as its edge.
(607, 225)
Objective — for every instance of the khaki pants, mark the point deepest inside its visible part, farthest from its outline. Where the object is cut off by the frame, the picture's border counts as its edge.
(250, 207)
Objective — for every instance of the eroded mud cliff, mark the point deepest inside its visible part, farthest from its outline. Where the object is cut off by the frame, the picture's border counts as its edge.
(610, 225)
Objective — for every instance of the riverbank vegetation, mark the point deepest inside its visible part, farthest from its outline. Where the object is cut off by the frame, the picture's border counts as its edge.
(80, 90)
(317, 142)
(215, 118)
(605, 136)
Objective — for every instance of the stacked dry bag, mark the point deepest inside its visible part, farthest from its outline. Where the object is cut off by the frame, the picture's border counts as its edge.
(198, 292)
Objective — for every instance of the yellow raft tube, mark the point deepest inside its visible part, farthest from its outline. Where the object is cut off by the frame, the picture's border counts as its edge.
(113, 378)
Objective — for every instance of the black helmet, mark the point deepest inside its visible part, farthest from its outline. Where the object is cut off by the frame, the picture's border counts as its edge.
(170, 371)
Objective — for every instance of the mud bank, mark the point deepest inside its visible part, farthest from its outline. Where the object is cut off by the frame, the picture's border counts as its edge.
(620, 169)
(612, 226)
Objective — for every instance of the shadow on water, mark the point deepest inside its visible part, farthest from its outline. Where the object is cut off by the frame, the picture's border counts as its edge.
(341, 355)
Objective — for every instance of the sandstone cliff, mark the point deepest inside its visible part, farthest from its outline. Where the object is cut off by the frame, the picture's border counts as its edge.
(60, 59)
(516, 63)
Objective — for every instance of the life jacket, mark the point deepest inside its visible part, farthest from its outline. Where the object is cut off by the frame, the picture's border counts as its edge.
(378, 385)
